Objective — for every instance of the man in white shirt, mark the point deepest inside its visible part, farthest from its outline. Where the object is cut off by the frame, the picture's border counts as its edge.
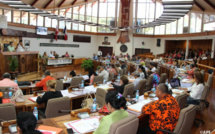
(153, 68)
(137, 79)
(104, 73)
(99, 53)
(51, 55)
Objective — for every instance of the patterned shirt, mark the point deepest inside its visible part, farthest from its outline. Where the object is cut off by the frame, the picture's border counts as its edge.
(156, 79)
(163, 113)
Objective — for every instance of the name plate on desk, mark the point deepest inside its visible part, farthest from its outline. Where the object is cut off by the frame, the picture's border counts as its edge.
(59, 61)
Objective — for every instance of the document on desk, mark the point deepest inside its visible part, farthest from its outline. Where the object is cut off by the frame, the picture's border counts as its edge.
(86, 77)
(177, 91)
(106, 87)
(34, 99)
(65, 93)
(138, 106)
(83, 125)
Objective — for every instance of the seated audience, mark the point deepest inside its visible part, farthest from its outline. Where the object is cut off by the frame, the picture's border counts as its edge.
(11, 47)
(66, 55)
(175, 64)
(142, 72)
(27, 123)
(123, 65)
(153, 68)
(116, 105)
(113, 70)
(156, 78)
(120, 88)
(191, 71)
(113, 56)
(104, 73)
(92, 74)
(117, 61)
(196, 89)
(55, 54)
(42, 83)
(50, 94)
(137, 80)
(163, 113)
(45, 55)
(7, 82)
(108, 55)
(95, 57)
(51, 55)
(133, 58)
(184, 65)
(72, 73)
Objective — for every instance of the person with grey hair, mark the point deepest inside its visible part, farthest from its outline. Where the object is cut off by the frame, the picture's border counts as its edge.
(104, 73)
(42, 83)
(163, 113)
(137, 79)
(7, 82)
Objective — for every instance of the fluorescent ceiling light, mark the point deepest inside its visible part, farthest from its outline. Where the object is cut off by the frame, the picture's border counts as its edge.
(177, 6)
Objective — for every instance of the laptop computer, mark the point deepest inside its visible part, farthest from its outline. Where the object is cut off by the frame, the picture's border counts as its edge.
(175, 83)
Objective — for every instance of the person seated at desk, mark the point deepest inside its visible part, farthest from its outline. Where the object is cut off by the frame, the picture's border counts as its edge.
(184, 65)
(92, 74)
(95, 57)
(51, 55)
(175, 64)
(55, 54)
(156, 78)
(7, 82)
(191, 71)
(42, 83)
(45, 55)
(27, 123)
(72, 73)
(108, 55)
(11, 47)
(123, 82)
(123, 65)
(142, 72)
(137, 79)
(163, 113)
(153, 68)
(20, 47)
(196, 89)
(66, 55)
(50, 94)
(113, 70)
(133, 58)
(116, 105)
(104, 73)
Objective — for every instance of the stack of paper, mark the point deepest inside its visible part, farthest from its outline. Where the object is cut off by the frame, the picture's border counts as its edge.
(84, 125)
(177, 91)
(138, 106)
(34, 99)
(66, 93)
(49, 130)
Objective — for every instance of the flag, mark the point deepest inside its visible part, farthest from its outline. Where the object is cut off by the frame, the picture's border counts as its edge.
(56, 32)
(65, 33)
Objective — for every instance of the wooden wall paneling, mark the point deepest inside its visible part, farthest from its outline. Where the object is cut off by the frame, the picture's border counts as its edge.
(172, 45)
(206, 77)
(7, 68)
(22, 64)
(34, 65)
(213, 84)
(203, 44)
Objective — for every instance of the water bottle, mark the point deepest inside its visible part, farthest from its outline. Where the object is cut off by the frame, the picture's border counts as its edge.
(128, 73)
(15, 79)
(80, 74)
(153, 89)
(10, 93)
(35, 112)
(65, 76)
(167, 82)
(94, 107)
(43, 76)
(97, 72)
(82, 83)
(137, 96)
(104, 81)
(118, 77)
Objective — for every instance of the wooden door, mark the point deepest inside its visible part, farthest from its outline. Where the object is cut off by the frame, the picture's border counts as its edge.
(106, 50)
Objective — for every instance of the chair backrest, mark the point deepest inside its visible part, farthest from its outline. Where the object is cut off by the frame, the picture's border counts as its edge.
(7, 111)
(59, 85)
(210, 80)
(182, 100)
(142, 86)
(100, 96)
(186, 119)
(158, 70)
(149, 82)
(56, 104)
(111, 76)
(125, 70)
(128, 90)
(121, 72)
(205, 93)
(76, 81)
(203, 73)
(163, 78)
(127, 125)
(98, 79)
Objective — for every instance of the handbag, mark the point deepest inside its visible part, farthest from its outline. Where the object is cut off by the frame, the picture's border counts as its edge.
(18, 96)
(88, 100)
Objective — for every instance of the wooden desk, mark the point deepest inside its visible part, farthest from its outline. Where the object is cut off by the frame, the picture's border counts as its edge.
(26, 60)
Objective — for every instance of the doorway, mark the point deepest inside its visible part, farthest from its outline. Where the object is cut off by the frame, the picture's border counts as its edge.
(106, 50)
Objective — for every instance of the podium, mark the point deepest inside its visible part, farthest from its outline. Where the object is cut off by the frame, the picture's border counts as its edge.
(26, 61)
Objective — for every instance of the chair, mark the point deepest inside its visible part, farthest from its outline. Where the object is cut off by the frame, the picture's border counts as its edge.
(76, 81)
(56, 104)
(128, 125)
(203, 73)
(100, 96)
(163, 78)
(182, 100)
(149, 82)
(125, 69)
(158, 70)
(98, 79)
(210, 80)
(128, 90)
(185, 121)
(142, 86)
(7, 111)
(111, 76)
(59, 85)
(121, 72)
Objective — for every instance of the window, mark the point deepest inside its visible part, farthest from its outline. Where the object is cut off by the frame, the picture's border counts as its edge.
(180, 26)
(195, 22)
(160, 30)
(48, 22)
(54, 23)
(68, 25)
(33, 19)
(61, 24)
(69, 13)
(40, 21)
(8, 14)
(24, 18)
(209, 22)
(209, 26)
(16, 16)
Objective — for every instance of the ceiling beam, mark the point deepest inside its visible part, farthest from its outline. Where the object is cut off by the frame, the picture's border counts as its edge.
(61, 3)
(210, 4)
(35, 1)
(198, 5)
(66, 11)
(50, 1)
(74, 2)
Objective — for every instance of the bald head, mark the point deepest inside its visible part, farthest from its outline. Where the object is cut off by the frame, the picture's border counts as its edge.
(162, 89)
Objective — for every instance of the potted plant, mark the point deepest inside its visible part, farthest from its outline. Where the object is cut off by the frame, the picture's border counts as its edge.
(13, 65)
(87, 64)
